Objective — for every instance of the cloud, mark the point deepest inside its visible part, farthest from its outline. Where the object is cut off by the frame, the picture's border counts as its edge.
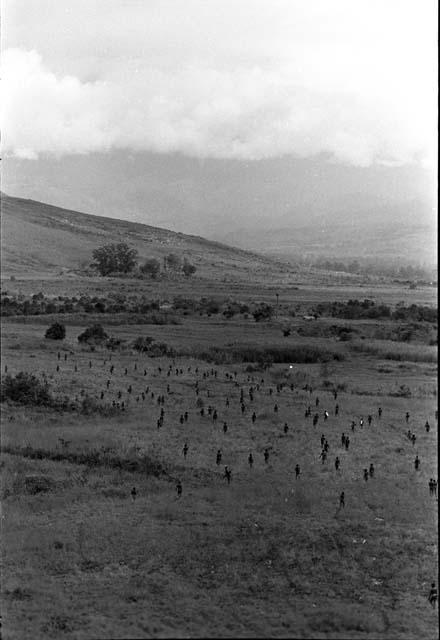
(238, 80)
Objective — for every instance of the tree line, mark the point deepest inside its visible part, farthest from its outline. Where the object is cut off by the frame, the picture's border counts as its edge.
(121, 258)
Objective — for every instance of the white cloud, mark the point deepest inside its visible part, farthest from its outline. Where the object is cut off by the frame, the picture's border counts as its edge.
(232, 80)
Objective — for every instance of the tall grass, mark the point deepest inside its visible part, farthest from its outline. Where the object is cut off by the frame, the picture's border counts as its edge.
(400, 352)
(277, 355)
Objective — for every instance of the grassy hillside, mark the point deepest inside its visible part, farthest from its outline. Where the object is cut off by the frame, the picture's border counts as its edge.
(40, 238)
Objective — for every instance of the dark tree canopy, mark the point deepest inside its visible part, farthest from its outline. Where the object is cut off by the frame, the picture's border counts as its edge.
(56, 331)
(93, 334)
(113, 258)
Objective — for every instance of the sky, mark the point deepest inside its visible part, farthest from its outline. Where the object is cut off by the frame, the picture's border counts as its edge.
(351, 82)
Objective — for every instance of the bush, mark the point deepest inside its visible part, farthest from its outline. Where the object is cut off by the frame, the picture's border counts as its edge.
(151, 267)
(94, 334)
(56, 331)
(25, 388)
(263, 312)
(143, 343)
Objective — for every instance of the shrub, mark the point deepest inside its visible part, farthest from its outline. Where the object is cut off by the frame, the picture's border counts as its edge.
(25, 388)
(143, 343)
(56, 331)
(94, 334)
(151, 267)
(263, 312)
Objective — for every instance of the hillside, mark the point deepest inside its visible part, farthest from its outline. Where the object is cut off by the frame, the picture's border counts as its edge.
(38, 238)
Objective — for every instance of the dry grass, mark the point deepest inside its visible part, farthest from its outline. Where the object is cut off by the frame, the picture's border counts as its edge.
(267, 556)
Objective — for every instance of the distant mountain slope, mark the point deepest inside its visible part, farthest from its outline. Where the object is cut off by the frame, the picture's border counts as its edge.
(404, 232)
(37, 237)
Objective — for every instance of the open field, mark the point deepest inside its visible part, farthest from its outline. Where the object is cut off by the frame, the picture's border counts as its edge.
(266, 555)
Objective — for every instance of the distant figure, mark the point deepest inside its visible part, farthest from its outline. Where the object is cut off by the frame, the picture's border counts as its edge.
(179, 489)
(431, 486)
(347, 443)
(427, 427)
(275, 408)
(286, 428)
(336, 409)
(370, 418)
(266, 456)
(297, 471)
(342, 500)
(416, 463)
(379, 411)
(407, 416)
(315, 419)
(254, 416)
(371, 470)
(228, 474)
(434, 487)
(133, 494)
(225, 427)
(251, 460)
(343, 439)
(325, 415)
(413, 439)
(432, 597)
(317, 402)
(322, 439)
(323, 456)
(366, 475)
(337, 463)
(218, 458)
(361, 422)
(353, 424)
(185, 449)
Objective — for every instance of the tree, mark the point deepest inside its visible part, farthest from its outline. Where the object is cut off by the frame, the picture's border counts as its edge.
(151, 267)
(93, 334)
(56, 331)
(188, 268)
(114, 258)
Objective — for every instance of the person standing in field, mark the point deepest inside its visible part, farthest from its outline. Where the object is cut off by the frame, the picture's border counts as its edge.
(297, 471)
(433, 595)
(179, 489)
(342, 500)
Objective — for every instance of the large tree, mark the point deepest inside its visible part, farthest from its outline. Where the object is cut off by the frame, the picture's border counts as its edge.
(115, 258)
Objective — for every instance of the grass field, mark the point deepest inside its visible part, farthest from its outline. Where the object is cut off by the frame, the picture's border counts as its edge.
(267, 555)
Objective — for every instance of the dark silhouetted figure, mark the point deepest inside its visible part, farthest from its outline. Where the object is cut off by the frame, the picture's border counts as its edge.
(322, 439)
(228, 474)
(343, 439)
(433, 595)
(179, 489)
(416, 463)
(370, 418)
(371, 470)
(347, 443)
(297, 471)
(185, 449)
(251, 460)
(337, 463)
(218, 458)
(266, 456)
(379, 412)
(366, 475)
(254, 416)
(133, 494)
(342, 500)
(286, 428)
(225, 427)
(427, 427)
(336, 410)
(407, 416)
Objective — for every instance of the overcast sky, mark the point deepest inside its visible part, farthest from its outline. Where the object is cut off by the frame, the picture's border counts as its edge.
(242, 79)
